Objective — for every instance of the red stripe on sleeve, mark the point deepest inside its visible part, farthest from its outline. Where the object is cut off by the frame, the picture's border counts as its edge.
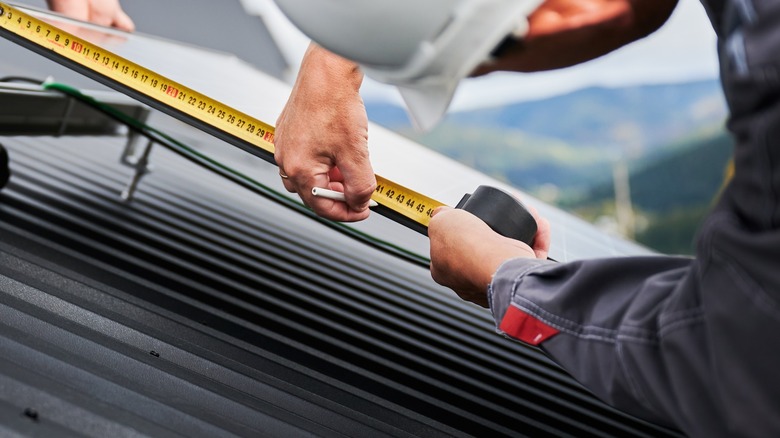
(525, 327)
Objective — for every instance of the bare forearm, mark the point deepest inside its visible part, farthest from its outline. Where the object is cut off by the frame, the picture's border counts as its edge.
(321, 67)
(322, 137)
(563, 33)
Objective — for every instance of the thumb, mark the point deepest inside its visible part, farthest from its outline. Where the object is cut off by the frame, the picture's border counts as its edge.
(441, 209)
(359, 183)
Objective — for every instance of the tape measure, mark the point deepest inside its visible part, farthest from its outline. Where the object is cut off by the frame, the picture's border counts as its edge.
(396, 202)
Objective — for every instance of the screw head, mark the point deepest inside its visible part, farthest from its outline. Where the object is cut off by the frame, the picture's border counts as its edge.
(31, 414)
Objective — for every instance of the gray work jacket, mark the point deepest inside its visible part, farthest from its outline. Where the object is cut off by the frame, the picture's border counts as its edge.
(691, 343)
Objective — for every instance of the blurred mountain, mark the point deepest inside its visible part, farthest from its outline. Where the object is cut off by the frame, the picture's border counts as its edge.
(633, 119)
(570, 140)
(643, 116)
(524, 160)
(671, 193)
(688, 176)
(563, 150)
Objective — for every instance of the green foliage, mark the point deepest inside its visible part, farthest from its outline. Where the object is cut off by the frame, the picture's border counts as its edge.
(689, 176)
(637, 118)
(524, 160)
(673, 134)
(674, 232)
(673, 192)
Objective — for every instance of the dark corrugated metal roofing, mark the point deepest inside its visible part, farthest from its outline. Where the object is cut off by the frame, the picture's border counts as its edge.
(203, 310)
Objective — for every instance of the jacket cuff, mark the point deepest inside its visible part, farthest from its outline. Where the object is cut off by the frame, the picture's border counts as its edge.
(508, 276)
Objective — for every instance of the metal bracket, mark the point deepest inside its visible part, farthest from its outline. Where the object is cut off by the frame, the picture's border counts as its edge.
(5, 171)
(130, 155)
(138, 161)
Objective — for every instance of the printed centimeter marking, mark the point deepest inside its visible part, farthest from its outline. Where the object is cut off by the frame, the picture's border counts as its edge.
(405, 201)
(402, 200)
(138, 78)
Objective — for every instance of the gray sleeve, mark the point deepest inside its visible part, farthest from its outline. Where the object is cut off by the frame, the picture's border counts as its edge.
(585, 315)
(689, 343)
(581, 314)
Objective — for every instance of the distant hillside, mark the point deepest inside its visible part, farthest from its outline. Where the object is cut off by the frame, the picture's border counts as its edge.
(526, 161)
(563, 149)
(634, 119)
(689, 176)
(673, 193)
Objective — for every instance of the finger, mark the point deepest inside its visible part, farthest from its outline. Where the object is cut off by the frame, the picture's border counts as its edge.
(543, 239)
(449, 224)
(328, 208)
(336, 186)
(359, 181)
(336, 180)
(288, 184)
(440, 209)
(302, 177)
(335, 175)
(102, 14)
(541, 245)
(123, 21)
(74, 9)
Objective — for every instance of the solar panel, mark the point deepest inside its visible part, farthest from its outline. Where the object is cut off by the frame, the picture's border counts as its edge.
(236, 84)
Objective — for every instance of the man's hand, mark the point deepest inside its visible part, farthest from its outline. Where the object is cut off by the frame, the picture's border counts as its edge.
(563, 33)
(321, 137)
(465, 252)
(102, 12)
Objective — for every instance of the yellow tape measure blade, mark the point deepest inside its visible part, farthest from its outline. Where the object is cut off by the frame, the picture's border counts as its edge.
(174, 98)
(138, 78)
(404, 201)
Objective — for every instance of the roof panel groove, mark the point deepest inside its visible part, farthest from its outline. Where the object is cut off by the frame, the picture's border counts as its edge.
(420, 352)
(276, 285)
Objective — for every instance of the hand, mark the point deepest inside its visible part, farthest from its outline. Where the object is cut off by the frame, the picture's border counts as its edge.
(102, 12)
(321, 137)
(465, 252)
(562, 33)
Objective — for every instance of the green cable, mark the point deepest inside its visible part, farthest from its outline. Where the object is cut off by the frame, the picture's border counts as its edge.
(233, 175)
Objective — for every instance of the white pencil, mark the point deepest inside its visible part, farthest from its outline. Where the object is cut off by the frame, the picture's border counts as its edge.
(334, 195)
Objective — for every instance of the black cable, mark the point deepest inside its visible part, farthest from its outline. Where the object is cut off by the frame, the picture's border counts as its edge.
(21, 79)
(238, 177)
(5, 171)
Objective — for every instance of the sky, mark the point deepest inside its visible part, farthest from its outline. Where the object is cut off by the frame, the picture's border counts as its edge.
(682, 50)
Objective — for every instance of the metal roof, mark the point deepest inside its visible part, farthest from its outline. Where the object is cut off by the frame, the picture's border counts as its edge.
(240, 86)
(202, 310)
